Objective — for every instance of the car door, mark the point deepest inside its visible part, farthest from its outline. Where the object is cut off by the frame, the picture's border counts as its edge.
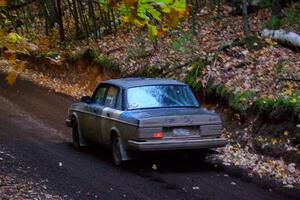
(93, 110)
(110, 113)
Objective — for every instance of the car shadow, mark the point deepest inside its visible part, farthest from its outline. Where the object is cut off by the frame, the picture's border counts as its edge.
(171, 163)
(161, 162)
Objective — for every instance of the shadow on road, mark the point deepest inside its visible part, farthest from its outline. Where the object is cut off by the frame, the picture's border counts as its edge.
(162, 162)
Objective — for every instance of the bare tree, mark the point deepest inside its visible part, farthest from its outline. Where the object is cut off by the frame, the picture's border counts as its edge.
(60, 20)
(246, 19)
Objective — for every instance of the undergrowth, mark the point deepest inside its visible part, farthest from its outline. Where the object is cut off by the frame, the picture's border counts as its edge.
(96, 57)
(195, 72)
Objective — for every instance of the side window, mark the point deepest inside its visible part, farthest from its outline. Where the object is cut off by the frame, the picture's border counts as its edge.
(119, 101)
(98, 96)
(111, 97)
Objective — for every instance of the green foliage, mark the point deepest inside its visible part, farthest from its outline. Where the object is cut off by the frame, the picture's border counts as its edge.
(14, 38)
(274, 22)
(156, 15)
(106, 62)
(265, 3)
(52, 54)
(96, 57)
(43, 55)
(240, 101)
(223, 92)
(294, 101)
(181, 40)
(194, 72)
(291, 17)
(266, 106)
(91, 53)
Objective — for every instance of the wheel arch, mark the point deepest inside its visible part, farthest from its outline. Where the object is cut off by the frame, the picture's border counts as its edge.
(74, 117)
(125, 154)
(114, 131)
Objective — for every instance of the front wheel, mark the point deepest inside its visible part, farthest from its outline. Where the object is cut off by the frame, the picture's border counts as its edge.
(116, 150)
(75, 135)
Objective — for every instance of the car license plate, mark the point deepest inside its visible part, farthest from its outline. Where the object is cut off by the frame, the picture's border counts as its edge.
(181, 132)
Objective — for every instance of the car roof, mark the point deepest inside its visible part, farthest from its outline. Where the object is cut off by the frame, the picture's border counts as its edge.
(141, 81)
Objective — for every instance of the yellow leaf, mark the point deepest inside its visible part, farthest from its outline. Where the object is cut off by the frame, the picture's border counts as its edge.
(14, 38)
(125, 19)
(182, 12)
(165, 9)
(274, 140)
(288, 91)
(11, 77)
(153, 32)
(269, 41)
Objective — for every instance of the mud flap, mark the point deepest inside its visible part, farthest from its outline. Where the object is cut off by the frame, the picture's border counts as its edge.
(82, 141)
(127, 155)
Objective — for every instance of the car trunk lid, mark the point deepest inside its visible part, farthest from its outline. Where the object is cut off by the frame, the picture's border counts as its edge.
(181, 118)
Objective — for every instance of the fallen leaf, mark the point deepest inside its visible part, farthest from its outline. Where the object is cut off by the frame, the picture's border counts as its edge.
(11, 77)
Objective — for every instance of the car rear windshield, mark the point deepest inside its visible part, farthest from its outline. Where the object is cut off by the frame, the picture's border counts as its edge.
(160, 96)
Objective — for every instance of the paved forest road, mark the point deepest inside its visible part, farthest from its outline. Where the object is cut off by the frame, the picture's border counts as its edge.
(32, 129)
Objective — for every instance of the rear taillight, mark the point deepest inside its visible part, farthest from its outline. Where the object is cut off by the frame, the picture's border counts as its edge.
(158, 135)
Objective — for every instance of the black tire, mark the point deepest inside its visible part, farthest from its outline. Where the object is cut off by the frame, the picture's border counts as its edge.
(116, 150)
(75, 136)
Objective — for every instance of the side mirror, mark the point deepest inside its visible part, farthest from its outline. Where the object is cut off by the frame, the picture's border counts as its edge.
(86, 99)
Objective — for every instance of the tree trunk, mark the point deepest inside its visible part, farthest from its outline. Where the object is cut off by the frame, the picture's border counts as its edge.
(73, 8)
(60, 21)
(246, 19)
(92, 17)
(82, 18)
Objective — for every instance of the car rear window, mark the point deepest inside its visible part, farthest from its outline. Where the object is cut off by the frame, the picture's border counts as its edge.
(160, 96)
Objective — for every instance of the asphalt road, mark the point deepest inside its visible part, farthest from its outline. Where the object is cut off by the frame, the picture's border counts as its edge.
(32, 129)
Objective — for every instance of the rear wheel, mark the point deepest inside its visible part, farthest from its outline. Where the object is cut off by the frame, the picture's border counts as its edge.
(116, 150)
(75, 135)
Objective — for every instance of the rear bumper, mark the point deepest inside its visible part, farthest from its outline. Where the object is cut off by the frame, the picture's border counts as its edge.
(160, 145)
(68, 122)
